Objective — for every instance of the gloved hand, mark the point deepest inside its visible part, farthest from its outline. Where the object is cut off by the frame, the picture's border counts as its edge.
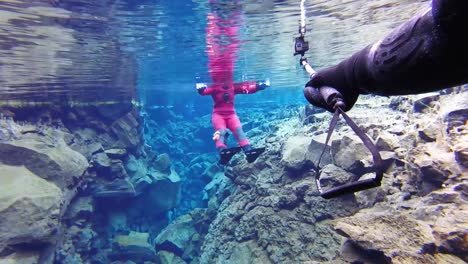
(343, 78)
(201, 87)
(261, 85)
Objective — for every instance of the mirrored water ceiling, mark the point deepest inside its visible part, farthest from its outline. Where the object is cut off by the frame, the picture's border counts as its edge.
(105, 51)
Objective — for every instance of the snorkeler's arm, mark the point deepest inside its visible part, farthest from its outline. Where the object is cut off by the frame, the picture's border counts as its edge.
(251, 86)
(247, 87)
(424, 54)
(203, 89)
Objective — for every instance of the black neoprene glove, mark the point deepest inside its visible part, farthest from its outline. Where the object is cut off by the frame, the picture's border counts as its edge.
(343, 77)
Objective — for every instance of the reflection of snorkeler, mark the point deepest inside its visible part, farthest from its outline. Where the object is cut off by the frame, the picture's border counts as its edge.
(223, 89)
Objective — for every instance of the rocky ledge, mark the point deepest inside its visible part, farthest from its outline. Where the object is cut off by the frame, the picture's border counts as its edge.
(271, 211)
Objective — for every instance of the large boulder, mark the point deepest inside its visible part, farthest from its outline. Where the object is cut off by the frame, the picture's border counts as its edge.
(295, 151)
(40, 176)
(394, 236)
(49, 159)
(300, 152)
(351, 154)
(162, 191)
(30, 208)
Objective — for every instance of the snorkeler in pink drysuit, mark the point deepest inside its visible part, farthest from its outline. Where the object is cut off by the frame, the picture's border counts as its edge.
(221, 58)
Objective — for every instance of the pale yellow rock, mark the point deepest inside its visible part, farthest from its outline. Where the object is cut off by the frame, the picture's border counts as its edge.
(29, 206)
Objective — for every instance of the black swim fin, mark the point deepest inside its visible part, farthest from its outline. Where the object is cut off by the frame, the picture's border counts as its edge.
(226, 154)
(252, 154)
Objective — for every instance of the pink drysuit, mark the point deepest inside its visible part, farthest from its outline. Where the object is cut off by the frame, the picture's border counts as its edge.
(221, 58)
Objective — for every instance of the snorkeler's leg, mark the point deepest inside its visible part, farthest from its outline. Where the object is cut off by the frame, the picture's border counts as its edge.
(234, 124)
(251, 154)
(220, 137)
(219, 124)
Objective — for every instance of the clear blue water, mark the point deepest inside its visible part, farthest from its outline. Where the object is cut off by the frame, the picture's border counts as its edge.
(152, 52)
(74, 50)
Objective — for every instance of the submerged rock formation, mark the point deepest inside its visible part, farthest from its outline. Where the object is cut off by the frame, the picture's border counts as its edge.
(40, 176)
(271, 211)
(66, 194)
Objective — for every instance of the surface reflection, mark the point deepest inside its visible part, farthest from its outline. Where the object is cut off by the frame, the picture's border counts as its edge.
(99, 51)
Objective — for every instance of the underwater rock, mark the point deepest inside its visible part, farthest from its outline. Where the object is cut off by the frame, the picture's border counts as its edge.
(317, 145)
(456, 118)
(118, 188)
(55, 162)
(107, 168)
(40, 176)
(301, 153)
(424, 102)
(117, 170)
(311, 114)
(369, 198)
(163, 163)
(430, 132)
(113, 111)
(80, 208)
(141, 184)
(137, 168)
(387, 141)
(30, 208)
(84, 142)
(184, 236)
(294, 152)
(166, 257)
(461, 155)
(217, 190)
(78, 242)
(351, 154)
(116, 153)
(177, 237)
(134, 246)
(245, 252)
(454, 110)
(127, 131)
(448, 222)
(277, 216)
(396, 236)
(161, 192)
(431, 173)
(333, 176)
(21, 258)
(101, 161)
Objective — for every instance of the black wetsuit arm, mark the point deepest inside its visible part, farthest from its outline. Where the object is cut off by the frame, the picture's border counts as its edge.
(428, 52)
